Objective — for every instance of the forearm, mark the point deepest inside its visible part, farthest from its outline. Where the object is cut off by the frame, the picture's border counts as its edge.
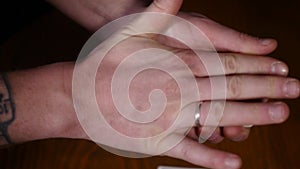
(35, 106)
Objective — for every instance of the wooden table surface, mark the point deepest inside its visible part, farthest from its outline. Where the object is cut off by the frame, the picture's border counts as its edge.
(53, 37)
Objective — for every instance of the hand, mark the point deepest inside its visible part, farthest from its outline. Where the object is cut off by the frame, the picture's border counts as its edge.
(245, 80)
(100, 12)
(235, 42)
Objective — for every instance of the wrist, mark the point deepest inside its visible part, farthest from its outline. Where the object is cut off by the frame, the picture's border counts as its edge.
(72, 129)
(44, 107)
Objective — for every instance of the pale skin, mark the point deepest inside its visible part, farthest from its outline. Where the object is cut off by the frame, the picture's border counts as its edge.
(43, 97)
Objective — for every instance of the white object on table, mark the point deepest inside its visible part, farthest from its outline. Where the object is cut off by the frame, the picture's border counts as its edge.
(169, 167)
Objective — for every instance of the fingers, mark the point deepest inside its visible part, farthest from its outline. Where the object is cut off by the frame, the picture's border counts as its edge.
(227, 39)
(240, 114)
(234, 64)
(248, 87)
(202, 155)
(246, 64)
(234, 133)
(215, 138)
(240, 42)
(238, 133)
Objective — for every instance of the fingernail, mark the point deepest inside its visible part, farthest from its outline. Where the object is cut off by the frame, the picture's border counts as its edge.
(248, 126)
(279, 68)
(241, 137)
(266, 42)
(232, 162)
(276, 112)
(291, 88)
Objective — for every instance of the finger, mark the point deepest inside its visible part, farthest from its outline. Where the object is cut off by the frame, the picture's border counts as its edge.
(246, 64)
(237, 133)
(193, 133)
(215, 138)
(234, 64)
(247, 113)
(240, 42)
(153, 20)
(165, 6)
(248, 87)
(227, 39)
(201, 155)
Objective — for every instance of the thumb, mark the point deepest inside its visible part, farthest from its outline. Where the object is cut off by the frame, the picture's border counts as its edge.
(165, 6)
(156, 18)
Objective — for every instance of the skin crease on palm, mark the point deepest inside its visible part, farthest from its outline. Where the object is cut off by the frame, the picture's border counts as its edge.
(239, 52)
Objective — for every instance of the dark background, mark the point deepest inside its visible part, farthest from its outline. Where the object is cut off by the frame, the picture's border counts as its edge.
(33, 33)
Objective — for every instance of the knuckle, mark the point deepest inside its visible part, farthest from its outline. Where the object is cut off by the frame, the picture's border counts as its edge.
(244, 36)
(271, 87)
(159, 5)
(186, 151)
(234, 87)
(230, 63)
(184, 53)
(214, 113)
(191, 60)
(172, 89)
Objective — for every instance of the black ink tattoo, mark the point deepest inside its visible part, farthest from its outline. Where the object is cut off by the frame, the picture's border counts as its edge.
(7, 108)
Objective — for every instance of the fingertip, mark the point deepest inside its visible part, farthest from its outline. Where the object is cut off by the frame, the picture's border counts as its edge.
(165, 6)
(267, 41)
(257, 46)
(291, 88)
(236, 133)
(242, 136)
(286, 110)
(268, 45)
(279, 112)
(279, 68)
(233, 162)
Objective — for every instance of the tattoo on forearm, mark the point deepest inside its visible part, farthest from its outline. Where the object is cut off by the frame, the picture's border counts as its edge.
(7, 109)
